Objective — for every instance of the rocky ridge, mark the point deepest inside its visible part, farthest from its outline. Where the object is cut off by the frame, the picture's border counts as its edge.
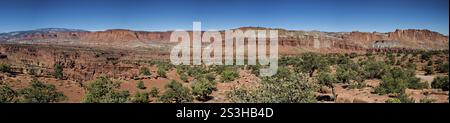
(403, 39)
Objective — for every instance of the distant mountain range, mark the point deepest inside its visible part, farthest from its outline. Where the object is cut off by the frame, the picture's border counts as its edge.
(410, 38)
(42, 31)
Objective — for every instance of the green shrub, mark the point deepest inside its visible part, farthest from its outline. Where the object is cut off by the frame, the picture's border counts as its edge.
(396, 80)
(297, 88)
(282, 73)
(118, 97)
(229, 75)
(7, 94)
(393, 100)
(255, 69)
(345, 73)
(218, 68)
(140, 98)
(416, 84)
(243, 95)
(401, 98)
(374, 69)
(356, 85)
(103, 90)
(441, 82)
(154, 92)
(284, 61)
(405, 99)
(140, 85)
(392, 82)
(184, 77)
(6, 68)
(198, 72)
(210, 77)
(331, 60)
(325, 79)
(58, 73)
(161, 71)
(390, 59)
(203, 88)
(430, 63)
(428, 70)
(427, 100)
(191, 71)
(425, 56)
(180, 69)
(344, 60)
(443, 67)
(311, 62)
(145, 71)
(39, 92)
(176, 93)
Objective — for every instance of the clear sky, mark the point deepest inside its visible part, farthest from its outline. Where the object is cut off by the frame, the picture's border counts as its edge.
(152, 15)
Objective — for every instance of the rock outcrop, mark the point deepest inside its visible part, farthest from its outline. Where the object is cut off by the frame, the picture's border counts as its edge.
(80, 64)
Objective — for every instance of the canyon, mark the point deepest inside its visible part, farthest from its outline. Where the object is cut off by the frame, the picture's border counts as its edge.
(115, 52)
(120, 53)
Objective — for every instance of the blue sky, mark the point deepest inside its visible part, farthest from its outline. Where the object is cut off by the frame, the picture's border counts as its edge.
(154, 15)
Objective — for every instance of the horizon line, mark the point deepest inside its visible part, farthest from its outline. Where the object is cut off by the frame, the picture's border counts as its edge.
(166, 30)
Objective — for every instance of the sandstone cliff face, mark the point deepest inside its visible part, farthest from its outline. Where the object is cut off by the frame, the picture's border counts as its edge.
(416, 35)
(123, 36)
(411, 38)
(422, 39)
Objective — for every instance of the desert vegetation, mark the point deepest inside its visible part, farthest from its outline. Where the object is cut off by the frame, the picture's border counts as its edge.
(104, 90)
(37, 92)
(374, 77)
(176, 93)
